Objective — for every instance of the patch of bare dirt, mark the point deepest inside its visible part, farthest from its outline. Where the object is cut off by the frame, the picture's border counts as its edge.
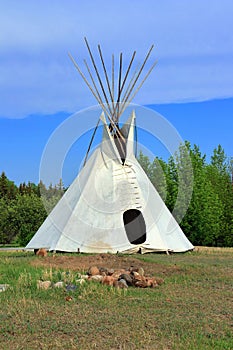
(83, 262)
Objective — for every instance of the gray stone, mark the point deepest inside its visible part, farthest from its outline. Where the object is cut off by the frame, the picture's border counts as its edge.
(3, 287)
(59, 284)
(71, 287)
(122, 283)
(103, 271)
(127, 278)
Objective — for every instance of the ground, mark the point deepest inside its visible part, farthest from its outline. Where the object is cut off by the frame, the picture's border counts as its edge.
(192, 309)
(112, 261)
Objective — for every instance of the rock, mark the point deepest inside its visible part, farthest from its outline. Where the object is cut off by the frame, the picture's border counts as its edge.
(127, 278)
(159, 281)
(121, 278)
(108, 280)
(141, 271)
(44, 284)
(151, 282)
(81, 281)
(71, 287)
(110, 272)
(135, 274)
(139, 281)
(141, 284)
(83, 277)
(117, 273)
(59, 284)
(133, 269)
(115, 284)
(93, 270)
(122, 283)
(106, 272)
(3, 287)
(42, 252)
(103, 271)
(96, 278)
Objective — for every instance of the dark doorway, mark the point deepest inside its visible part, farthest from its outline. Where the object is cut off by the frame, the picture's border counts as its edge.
(135, 226)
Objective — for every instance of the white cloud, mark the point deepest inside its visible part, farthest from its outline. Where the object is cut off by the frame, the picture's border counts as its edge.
(194, 46)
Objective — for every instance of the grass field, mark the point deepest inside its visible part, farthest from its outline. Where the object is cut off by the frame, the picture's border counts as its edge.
(192, 309)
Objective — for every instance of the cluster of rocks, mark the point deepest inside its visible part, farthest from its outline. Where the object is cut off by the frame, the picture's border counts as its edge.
(48, 284)
(118, 278)
(122, 278)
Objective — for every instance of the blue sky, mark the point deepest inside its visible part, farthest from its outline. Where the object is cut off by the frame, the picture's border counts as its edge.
(191, 86)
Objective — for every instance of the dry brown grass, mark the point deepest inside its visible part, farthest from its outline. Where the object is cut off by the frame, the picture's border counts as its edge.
(214, 249)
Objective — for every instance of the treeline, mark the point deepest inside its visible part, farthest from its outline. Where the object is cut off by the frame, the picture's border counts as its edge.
(24, 208)
(199, 194)
(208, 218)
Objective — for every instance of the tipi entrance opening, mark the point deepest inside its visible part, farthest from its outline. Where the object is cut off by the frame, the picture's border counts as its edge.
(135, 226)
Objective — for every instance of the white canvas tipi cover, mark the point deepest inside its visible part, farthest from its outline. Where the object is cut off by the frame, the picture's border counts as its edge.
(111, 207)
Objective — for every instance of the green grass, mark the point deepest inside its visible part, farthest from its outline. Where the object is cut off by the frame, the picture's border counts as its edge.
(191, 310)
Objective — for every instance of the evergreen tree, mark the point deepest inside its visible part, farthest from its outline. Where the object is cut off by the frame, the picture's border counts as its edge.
(8, 189)
(5, 237)
(3, 185)
(219, 174)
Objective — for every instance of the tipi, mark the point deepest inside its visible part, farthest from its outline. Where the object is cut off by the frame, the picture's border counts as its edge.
(112, 206)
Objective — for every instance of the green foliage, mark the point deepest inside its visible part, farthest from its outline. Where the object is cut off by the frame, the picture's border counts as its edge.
(28, 215)
(219, 173)
(23, 209)
(156, 171)
(8, 190)
(29, 189)
(52, 195)
(20, 218)
(209, 214)
(6, 235)
(181, 182)
(202, 223)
